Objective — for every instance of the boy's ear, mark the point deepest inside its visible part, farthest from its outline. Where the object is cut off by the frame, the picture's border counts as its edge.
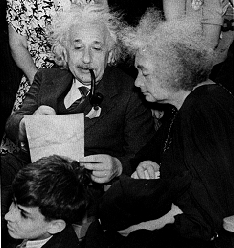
(56, 226)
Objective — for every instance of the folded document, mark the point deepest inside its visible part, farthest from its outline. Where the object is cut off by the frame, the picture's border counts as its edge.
(55, 134)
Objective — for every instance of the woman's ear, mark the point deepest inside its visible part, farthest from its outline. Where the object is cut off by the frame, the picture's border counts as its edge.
(56, 226)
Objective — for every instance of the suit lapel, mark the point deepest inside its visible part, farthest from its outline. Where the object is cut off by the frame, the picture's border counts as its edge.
(58, 87)
(55, 88)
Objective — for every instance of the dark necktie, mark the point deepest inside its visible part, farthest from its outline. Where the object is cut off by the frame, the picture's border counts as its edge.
(84, 92)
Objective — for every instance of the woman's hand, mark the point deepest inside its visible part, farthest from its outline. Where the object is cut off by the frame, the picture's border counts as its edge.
(147, 170)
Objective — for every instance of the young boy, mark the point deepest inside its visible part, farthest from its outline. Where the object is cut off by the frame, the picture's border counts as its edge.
(48, 195)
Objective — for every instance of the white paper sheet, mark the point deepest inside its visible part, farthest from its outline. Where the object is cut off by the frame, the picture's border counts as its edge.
(55, 134)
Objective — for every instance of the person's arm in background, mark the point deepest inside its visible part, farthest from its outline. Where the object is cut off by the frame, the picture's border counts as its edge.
(211, 16)
(20, 53)
(174, 9)
(212, 20)
(15, 129)
(17, 19)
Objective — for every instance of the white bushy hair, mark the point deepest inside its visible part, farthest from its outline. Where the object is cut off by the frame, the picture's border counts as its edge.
(58, 31)
(178, 48)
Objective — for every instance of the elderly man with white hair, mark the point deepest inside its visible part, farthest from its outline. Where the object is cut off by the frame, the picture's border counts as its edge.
(85, 42)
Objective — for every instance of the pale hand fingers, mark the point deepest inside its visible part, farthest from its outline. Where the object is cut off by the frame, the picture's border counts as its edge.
(101, 173)
(145, 170)
(45, 110)
(146, 164)
(134, 175)
(95, 162)
(140, 172)
(100, 180)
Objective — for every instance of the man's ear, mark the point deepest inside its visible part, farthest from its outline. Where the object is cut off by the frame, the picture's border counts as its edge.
(56, 226)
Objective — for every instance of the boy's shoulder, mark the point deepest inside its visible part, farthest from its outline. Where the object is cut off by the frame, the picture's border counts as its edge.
(65, 239)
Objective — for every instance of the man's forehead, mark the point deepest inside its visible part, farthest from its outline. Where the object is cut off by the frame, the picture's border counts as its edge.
(87, 30)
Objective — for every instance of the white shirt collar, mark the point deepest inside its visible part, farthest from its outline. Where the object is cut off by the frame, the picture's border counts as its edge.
(74, 93)
(36, 243)
(76, 83)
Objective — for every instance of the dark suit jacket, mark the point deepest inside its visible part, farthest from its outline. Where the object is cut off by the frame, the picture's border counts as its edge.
(65, 239)
(124, 126)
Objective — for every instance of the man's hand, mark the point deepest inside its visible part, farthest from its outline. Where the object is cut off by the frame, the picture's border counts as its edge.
(146, 170)
(45, 110)
(22, 131)
(104, 167)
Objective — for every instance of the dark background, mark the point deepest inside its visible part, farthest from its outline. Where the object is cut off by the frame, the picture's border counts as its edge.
(10, 75)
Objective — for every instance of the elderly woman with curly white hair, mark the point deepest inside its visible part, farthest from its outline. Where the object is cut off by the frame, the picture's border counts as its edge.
(184, 188)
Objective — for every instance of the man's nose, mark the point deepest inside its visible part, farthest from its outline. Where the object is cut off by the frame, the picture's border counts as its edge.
(87, 56)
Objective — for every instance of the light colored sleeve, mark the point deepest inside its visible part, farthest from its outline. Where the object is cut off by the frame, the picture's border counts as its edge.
(212, 11)
(16, 16)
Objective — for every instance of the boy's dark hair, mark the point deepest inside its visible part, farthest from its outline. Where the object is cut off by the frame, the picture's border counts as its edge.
(56, 185)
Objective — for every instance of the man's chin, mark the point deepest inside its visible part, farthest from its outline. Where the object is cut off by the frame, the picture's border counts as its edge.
(149, 98)
(84, 80)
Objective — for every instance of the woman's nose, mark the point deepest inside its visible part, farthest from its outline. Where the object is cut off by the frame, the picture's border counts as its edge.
(138, 82)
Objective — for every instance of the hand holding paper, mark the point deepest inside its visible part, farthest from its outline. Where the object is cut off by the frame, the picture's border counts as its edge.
(104, 167)
(45, 110)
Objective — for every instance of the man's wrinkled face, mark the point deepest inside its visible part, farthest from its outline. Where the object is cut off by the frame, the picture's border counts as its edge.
(26, 223)
(87, 49)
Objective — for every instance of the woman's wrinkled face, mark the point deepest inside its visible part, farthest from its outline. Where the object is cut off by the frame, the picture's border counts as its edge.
(148, 79)
(88, 49)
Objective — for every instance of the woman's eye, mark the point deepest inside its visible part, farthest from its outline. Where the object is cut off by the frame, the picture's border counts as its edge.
(145, 74)
(142, 73)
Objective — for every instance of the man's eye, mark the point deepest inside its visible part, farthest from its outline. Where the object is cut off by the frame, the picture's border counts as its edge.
(97, 48)
(78, 47)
